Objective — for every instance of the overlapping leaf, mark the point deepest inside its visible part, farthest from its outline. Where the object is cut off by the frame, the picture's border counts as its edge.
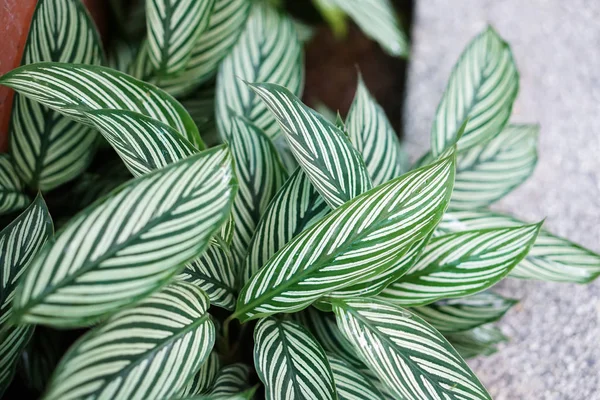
(74, 89)
(551, 258)
(335, 168)
(128, 244)
(231, 381)
(482, 88)
(408, 355)
(487, 172)
(357, 241)
(12, 197)
(173, 28)
(350, 384)
(49, 149)
(290, 363)
(148, 351)
(267, 51)
(463, 263)
(372, 134)
(481, 341)
(457, 315)
(12, 341)
(204, 379)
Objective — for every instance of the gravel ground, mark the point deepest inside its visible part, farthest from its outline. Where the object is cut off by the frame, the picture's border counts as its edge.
(555, 330)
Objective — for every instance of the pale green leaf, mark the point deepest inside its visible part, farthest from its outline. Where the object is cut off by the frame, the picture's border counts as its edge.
(335, 168)
(12, 197)
(128, 244)
(267, 51)
(408, 355)
(350, 383)
(482, 87)
(204, 379)
(290, 363)
(148, 351)
(481, 341)
(357, 241)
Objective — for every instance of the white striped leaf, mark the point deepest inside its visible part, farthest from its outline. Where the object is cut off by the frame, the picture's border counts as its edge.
(245, 395)
(462, 263)
(380, 386)
(267, 51)
(350, 383)
(488, 172)
(13, 340)
(551, 258)
(290, 363)
(204, 379)
(372, 134)
(73, 89)
(12, 197)
(173, 28)
(357, 241)
(48, 148)
(481, 341)
(482, 87)
(457, 315)
(148, 351)
(407, 354)
(294, 208)
(260, 174)
(128, 244)
(213, 272)
(326, 155)
(231, 381)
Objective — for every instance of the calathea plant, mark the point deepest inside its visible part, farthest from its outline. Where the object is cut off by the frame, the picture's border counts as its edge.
(298, 258)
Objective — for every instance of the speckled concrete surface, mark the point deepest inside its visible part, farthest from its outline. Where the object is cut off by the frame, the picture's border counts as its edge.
(555, 330)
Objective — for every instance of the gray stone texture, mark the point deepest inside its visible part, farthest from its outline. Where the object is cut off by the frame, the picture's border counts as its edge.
(555, 330)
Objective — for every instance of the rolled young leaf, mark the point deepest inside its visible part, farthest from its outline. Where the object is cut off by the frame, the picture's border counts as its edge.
(350, 384)
(408, 355)
(173, 28)
(290, 363)
(335, 168)
(148, 351)
(128, 244)
(482, 87)
(204, 379)
(267, 51)
(463, 263)
(358, 240)
(48, 148)
(12, 197)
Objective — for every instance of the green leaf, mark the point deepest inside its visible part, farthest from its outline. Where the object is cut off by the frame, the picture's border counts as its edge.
(335, 17)
(294, 208)
(488, 172)
(408, 355)
(49, 149)
(231, 381)
(74, 89)
(326, 155)
(121, 54)
(13, 340)
(213, 272)
(480, 341)
(462, 263)
(260, 175)
(482, 87)
(372, 134)
(41, 356)
(148, 351)
(12, 197)
(204, 379)
(457, 315)
(551, 258)
(201, 106)
(290, 363)
(357, 241)
(128, 244)
(351, 384)
(267, 51)
(173, 28)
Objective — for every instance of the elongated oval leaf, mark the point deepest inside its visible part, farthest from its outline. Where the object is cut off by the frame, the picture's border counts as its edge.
(358, 240)
(481, 341)
(487, 172)
(12, 197)
(204, 379)
(173, 28)
(350, 384)
(326, 155)
(551, 258)
(73, 89)
(290, 363)
(294, 208)
(267, 51)
(48, 148)
(463, 263)
(482, 88)
(148, 351)
(128, 244)
(457, 315)
(408, 355)
(372, 134)
(231, 381)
